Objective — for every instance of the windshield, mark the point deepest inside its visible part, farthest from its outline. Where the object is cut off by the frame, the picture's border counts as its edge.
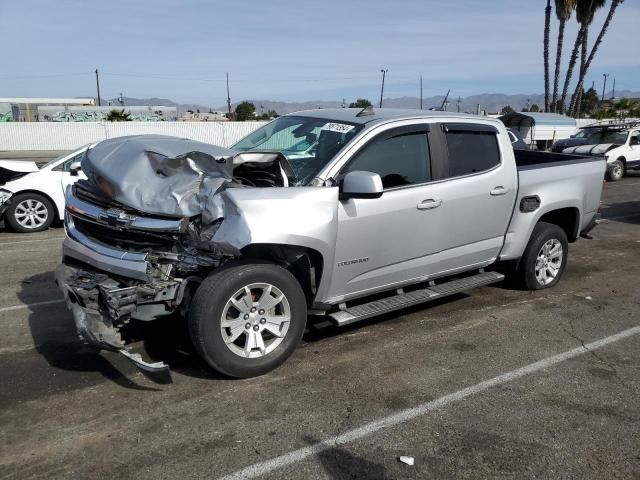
(608, 136)
(57, 159)
(307, 143)
(582, 133)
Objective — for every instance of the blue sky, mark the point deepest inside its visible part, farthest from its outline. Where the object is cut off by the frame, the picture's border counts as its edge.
(291, 50)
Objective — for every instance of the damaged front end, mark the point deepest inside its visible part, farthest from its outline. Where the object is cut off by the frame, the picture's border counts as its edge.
(137, 250)
(118, 266)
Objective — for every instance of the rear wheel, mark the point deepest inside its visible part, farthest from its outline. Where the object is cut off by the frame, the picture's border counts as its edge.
(545, 257)
(29, 212)
(616, 171)
(248, 319)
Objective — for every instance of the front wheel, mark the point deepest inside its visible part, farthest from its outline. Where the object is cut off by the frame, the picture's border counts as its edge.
(247, 319)
(616, 171)
(545, 257)
(30, 212)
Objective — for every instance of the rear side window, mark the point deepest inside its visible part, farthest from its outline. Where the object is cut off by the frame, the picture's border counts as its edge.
(471, 151)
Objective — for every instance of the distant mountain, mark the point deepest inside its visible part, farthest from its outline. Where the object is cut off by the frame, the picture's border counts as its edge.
(488, 102)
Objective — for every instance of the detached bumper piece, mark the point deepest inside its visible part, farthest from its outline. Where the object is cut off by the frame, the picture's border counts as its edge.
(101, 307)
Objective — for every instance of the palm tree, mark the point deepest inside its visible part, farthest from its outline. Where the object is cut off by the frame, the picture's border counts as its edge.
(612, 9)
(564, 8)
(116, 115)
(547, 22)
(572, 64)
(585, 13)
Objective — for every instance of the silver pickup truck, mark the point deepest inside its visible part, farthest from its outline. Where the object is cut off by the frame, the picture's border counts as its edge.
(342, 213)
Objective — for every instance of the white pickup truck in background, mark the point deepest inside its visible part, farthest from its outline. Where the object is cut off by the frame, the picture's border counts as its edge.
(620, 146)
(32, 197)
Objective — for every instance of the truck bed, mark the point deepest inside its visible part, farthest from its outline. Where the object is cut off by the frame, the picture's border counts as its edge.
(529, 159)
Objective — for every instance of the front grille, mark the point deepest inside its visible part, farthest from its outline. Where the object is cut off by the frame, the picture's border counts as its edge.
(130, 239)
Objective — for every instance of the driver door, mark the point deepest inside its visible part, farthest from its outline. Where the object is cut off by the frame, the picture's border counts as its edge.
(391, 239)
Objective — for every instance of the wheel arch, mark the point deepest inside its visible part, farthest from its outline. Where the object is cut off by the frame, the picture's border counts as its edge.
(567, 218)
(42, 194)
(304, 263)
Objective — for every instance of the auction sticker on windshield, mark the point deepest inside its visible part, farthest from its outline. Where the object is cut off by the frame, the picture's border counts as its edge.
(337, 127)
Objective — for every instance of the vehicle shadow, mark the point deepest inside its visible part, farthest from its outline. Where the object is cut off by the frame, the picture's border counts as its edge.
(624, 212)
(340, 464)
(54, 337)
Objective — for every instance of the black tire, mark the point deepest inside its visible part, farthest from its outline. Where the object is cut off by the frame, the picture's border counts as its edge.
(209, 304)
(17, 207)
(616, 171)
(542, 233)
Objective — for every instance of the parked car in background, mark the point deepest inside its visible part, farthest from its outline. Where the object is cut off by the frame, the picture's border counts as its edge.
(32, 197)
(580, 138)
(391, 208)
(620, 146)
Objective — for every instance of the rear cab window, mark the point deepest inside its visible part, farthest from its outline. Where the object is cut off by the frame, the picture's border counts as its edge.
(471, 148)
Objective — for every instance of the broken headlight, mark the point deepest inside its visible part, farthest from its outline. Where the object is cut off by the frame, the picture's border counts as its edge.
(4, 195)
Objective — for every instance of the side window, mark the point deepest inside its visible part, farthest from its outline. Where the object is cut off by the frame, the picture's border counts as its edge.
(400, 160)
(635, 138)
(66, 165)
(471, 151)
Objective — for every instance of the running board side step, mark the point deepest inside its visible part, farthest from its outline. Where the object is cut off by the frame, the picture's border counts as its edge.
(406, 299)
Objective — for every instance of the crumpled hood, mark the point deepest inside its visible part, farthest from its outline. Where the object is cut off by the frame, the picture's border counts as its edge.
(599, 149)
(161, 175)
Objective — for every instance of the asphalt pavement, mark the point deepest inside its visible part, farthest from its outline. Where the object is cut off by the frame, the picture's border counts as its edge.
(495, 383)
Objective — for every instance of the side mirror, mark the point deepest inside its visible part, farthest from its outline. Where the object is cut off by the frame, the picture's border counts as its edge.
(572, 136)
(361, 184)
(74, 168)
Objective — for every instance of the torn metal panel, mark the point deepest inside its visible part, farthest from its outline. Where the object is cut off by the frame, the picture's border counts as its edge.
(158, 174)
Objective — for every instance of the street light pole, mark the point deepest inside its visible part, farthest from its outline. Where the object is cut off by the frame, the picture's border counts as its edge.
(384, 72)
(98, 87)
(604, 85)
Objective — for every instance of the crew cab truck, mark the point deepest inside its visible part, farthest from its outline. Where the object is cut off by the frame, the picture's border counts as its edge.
(389, 208)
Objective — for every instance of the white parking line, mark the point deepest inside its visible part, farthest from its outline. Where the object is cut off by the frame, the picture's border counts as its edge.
(403, 416)
(29, 305)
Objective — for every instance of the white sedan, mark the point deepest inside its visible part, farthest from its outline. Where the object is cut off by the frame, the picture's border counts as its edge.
(31, 198)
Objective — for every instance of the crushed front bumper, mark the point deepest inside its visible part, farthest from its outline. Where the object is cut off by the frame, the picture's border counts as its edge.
(102, 306)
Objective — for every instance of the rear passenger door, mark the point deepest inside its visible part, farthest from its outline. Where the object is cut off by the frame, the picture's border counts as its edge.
(478, 192)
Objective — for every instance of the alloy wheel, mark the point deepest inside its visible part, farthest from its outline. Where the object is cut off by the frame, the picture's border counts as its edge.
(31, 213)
(255, 320)
(549, 261)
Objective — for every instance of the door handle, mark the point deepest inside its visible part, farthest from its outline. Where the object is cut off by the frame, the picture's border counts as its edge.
(429, 204)
(499, 190)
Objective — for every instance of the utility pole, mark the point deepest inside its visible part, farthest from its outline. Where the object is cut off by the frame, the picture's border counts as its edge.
(604, 85)
(384, 72)
(459, 99)
(98, 87)
(228, 98)
(420, 92)
(613, 92)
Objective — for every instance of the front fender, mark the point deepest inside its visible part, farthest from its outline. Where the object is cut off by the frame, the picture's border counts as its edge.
(299, 216)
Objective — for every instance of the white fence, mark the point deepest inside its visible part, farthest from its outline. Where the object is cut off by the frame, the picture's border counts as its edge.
(67, 136)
